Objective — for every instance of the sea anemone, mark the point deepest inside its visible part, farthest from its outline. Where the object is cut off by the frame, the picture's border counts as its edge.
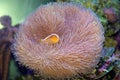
(60, 40)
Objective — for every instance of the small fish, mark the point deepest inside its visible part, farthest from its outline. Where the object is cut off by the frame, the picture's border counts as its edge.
(51, 39)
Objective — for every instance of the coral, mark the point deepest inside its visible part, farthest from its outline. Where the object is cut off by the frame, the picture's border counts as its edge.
(80, 42)
(6, 39)
(110, 14)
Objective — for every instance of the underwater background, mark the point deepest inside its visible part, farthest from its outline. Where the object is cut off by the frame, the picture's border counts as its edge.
(108, 11)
